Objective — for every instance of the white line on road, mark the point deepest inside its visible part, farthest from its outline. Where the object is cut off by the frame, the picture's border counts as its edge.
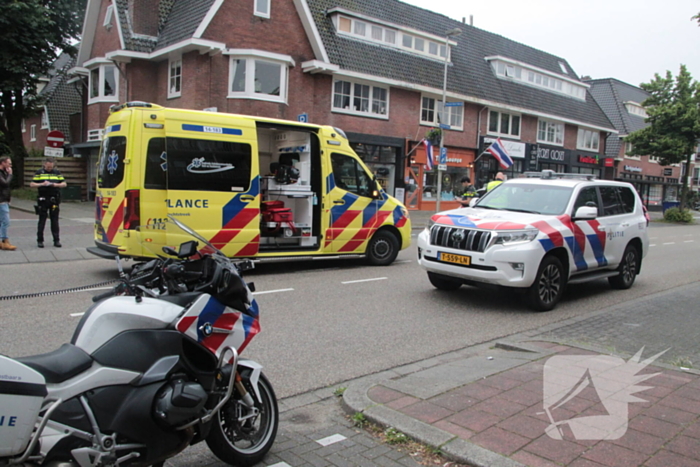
(670, 243)
(272, 291)
(365, 280)
(688, 241)
(77, 314)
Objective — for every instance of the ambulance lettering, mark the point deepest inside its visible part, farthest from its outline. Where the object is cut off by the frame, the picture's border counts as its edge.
(187, 203)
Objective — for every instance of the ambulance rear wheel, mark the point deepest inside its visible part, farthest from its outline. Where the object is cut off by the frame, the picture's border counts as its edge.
(382, 249)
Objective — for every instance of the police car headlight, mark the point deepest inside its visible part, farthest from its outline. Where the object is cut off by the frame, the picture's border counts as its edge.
(512, 237)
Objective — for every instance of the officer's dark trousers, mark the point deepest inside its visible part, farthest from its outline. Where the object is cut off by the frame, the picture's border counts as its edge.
(52, 213)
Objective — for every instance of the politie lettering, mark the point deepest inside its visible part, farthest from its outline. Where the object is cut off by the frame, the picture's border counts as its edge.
(187, 203)
(11, 421)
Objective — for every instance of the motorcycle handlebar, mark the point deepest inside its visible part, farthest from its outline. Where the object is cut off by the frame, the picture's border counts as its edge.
(102, 296)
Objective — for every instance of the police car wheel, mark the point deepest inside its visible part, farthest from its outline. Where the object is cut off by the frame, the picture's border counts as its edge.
(443, 282)
(382, 248)
(548, 287)
(628, 269)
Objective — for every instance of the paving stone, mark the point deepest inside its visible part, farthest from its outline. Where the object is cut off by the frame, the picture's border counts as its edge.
(532, 460)
(685, 446)
(474, 420)
(670, 459)
(382, 394)
(500, 441)
(426, 412)
(560, 451)
(523, 425)
(612, 455)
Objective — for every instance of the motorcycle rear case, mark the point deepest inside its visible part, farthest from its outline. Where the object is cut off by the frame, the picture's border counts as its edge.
(22, 391)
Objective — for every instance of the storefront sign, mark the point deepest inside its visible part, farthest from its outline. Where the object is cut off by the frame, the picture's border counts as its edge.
(557, 155)
(631, 168)
(609, 162)
(668, 171)
(588, 159)
(456, 160)
(515, 149)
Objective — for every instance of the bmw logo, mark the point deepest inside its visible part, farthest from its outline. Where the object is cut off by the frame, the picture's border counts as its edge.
(207, 329)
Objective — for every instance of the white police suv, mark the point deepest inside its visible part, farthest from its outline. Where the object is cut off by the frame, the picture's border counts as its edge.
(539, 234)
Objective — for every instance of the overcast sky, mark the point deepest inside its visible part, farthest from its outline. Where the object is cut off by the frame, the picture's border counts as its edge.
(625, 39)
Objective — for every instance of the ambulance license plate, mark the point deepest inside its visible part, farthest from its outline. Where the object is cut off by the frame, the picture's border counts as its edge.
(456, 259)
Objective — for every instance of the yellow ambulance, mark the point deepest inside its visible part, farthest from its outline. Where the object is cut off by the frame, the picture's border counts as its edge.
(258, 188)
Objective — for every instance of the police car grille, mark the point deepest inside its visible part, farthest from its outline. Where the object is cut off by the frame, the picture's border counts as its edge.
(473, 240)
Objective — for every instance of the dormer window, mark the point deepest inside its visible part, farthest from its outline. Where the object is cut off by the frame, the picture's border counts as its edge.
(387, 34)
(635, 109)
(531, 76)
(107, 23)
(262, 8)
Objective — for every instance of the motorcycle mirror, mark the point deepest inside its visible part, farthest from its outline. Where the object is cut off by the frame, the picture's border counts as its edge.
(169, 251)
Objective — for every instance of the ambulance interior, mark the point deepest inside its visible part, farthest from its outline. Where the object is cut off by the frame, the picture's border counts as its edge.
(291, 182)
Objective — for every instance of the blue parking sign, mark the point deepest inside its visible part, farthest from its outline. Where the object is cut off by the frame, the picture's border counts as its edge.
(443, 156)
(303, 118)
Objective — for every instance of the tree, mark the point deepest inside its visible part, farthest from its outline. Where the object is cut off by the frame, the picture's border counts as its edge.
(696, 17)
(673, 110)
(33, 34)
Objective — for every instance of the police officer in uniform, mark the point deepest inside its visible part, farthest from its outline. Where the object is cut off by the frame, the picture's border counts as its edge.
(500, 178)
(469, 191)
(48, 180)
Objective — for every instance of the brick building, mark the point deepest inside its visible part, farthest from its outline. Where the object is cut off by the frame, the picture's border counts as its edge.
(374, 68)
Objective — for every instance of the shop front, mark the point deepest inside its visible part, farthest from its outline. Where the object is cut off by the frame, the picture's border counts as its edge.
(545, 157)
(587, 163)
(654, 190)
(487, 166)
(421, 183)
(383, 155)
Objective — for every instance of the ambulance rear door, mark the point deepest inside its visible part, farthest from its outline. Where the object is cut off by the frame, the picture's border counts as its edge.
(212, 178)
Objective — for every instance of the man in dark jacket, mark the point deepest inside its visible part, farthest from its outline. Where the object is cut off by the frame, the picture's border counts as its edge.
(469, 192)
(49, 181)
(5, 196)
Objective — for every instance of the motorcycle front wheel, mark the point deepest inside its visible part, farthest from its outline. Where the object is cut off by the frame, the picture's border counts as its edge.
(240, 439)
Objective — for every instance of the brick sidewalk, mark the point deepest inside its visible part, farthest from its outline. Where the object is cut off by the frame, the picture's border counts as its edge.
(505, 414)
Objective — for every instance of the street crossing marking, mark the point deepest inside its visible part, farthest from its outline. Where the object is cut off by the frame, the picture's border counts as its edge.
(365, 280)
(331, 440)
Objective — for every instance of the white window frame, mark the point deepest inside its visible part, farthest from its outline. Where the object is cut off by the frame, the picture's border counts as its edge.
(511, 117)
(371, 96)
(107, 22)
(177, 91)
(262, 12)
(588, 140)
(633, 108)
(252, 58)
(456, 112)
(556, 128)
(32, 133)
(101, 68)
(24, 126)
(630, 148)
(528, 75)
(44, 119)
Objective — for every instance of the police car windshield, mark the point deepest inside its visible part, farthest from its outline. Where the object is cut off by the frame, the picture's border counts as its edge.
(529, 198)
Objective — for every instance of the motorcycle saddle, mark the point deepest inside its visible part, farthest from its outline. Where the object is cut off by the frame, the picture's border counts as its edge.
(59, 365)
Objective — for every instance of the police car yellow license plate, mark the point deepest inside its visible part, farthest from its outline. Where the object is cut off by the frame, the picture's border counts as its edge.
(456, 259)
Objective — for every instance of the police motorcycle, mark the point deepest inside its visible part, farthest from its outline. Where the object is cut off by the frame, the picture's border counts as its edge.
(153, 367)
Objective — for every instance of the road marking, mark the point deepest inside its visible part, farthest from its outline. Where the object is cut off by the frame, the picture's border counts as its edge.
(670, 243)
(403, 261)
(77, 314)
(272, 291)
(688, 241)
(86, 220)
(330, 440)
(653, 244)
(365, 280)
(281, 464)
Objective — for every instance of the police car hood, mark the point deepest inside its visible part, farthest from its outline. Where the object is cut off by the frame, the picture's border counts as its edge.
(489, 219)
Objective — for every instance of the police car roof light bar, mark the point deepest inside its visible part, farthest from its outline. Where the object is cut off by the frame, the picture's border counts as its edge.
(550, 174)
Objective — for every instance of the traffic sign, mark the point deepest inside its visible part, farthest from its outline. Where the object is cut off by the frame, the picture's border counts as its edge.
(442, 167)
(303, 118)
(443, 156)
(55, 139)
(454, 104)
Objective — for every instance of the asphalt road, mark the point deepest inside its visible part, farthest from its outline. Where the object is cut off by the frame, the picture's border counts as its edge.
(327, 322)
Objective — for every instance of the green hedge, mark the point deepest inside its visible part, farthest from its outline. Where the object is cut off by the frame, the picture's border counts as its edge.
(676, 215)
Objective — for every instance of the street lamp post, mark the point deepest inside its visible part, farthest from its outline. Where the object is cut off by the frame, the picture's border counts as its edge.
(443, 126)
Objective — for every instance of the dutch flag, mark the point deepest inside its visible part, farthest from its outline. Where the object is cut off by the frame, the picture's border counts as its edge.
(499, 152)
(429, 154)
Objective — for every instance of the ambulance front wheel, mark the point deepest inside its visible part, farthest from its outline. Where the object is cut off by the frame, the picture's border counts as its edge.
(382, 248)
